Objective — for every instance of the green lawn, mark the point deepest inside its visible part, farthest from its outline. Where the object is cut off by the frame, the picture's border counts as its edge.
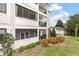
(70, 47)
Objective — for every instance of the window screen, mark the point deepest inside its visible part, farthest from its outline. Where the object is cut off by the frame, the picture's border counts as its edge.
(3, 7)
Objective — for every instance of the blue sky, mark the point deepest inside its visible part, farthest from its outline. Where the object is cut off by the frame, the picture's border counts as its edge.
(62, 11)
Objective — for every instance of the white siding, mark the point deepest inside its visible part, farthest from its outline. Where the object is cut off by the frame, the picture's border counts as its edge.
(59, 32)
(25, 21)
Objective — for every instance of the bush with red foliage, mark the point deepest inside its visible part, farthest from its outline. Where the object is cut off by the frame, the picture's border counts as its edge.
(44, 42)
(56, 39)
(60, 38)
(52, 40)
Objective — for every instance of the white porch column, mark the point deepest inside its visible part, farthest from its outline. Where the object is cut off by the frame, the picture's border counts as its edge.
(47, 23)
(11, 13)
(38, 33)
(38, 23)
(46, 33)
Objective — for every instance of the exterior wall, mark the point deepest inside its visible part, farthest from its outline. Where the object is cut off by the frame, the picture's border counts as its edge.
(59, 32)
(26, 22)
(7, 19)
(11, 22)
(23, 23)
(4, 19)
(32, 5)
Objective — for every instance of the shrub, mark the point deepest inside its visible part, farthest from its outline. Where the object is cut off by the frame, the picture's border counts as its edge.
(50, 39)
(44, 42)
(32, 45)
(53, 42)
(57, 41)
(7, 43)
(60, 38)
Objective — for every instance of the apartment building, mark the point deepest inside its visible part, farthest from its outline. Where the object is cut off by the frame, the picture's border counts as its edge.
(27, 22)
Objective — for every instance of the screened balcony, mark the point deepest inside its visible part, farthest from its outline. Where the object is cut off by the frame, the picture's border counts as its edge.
(43, 7)
(42, 24)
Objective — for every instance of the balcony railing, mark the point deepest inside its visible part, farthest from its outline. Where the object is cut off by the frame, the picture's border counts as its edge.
(42, 10)
(42, 24)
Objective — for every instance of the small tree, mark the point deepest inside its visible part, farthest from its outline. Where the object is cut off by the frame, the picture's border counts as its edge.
(53, 32)
(59, 24)
(7, 42)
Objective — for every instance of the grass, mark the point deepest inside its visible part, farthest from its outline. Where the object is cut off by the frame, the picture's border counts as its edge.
(70, 47)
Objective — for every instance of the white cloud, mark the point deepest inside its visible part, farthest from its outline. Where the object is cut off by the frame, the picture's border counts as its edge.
(54, 19)
(65, 13)
(61, 15)
(55, 7)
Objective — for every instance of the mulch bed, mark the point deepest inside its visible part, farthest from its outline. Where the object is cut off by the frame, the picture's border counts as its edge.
(29, 52)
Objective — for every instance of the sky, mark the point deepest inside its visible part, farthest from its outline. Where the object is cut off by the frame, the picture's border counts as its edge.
(61, 11)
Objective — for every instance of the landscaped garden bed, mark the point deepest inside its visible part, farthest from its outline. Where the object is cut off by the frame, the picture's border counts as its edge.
(28, 49)
(69, 47)
(35, 48)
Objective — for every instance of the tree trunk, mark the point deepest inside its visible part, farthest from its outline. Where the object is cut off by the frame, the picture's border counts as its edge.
(76, 29)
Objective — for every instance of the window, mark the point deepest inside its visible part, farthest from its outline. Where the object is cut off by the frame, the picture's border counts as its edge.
(19, 11)
(2, 32)
(3, 7)
(36, 3)
(22, 35)
(26, 34)
(33, 33)
(26, 13)
(32, 15)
